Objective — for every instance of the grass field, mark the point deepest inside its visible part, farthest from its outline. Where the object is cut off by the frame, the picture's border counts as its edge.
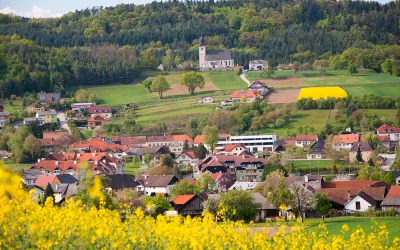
(307, 165)
(14, 167)
(334, 225)
(386, 90)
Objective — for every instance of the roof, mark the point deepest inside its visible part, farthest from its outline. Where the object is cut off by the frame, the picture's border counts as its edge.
(129, 140)
(364, 147)
(306, 138)
(66, 190)
(223, 160)
(198, 139)
(67, 179)
(256, 62)
(119, 181)
(189, 153)
(255, 83)
(384, 138)
(157, 180)
(248, 93)
(353, 184)
(47, 112)
(183, 137)
(56, 135)
(393, 197)
(262, 201)
(215, 55)
(96, 110)
(97, 118)
(346, 138)
(43, 180)
(318, 147)
(182, 199)
(387, 129)
(149, 150)
(341, 195)
(230, 147)
(244, 185)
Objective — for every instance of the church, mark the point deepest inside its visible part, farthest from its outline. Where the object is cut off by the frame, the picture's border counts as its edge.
(214, 59)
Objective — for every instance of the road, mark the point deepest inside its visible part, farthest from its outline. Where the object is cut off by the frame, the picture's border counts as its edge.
(243, 76)
(63, 121)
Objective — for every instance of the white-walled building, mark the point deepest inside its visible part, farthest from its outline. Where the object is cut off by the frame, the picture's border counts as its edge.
(360, 203)
(254, 143)
(258, 65)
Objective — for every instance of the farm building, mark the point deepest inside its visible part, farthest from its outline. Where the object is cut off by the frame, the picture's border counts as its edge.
(258, 65)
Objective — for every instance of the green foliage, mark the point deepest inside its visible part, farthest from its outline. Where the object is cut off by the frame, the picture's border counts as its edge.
(183, 187)
(23, 145)
(160, 85)
(193, 80)
(48, 193)
(84, 95)
(157, 205)
(238, 205)
(205, 183)
(322, 204)
(396, 162)
(210, 134)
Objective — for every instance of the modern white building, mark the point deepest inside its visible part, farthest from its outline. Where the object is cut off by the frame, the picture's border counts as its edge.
(258, 65)
(254, 143)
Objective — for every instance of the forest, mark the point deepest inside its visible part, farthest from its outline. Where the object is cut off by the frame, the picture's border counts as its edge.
(114, 44)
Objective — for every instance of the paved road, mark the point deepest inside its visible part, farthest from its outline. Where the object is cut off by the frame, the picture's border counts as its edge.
(243, 76)
(63, 121)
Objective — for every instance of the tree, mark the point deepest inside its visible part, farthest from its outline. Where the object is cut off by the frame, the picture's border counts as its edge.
(277, 194)
(359, 155)
(147, 84)
(352, 69)
(238, 205)
(169, 59)
(322, 205)
(148, 58)
(84, 95)
(386, 66)
(211, 134)
(32, 147)
(201, 151)
(396, 162)
(302, 200)
(183, 187)
(156, 205)
(167, 160)
(16, 143)
(159, 85)
(48, 193)
(211, 205)
(193, 80)
(205, 183)
(269, 71)
(296, 67)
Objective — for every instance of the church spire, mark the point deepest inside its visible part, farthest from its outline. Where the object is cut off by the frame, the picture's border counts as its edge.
(201, 41)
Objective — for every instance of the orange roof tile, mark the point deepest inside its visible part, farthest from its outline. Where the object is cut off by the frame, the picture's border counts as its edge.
(346, 138)
(182, 138)
(43, 180)
(243, 94)
(387, 129)
(306, 138)
(182, 199)
(230, 147)
(198, 139)
(394, 191)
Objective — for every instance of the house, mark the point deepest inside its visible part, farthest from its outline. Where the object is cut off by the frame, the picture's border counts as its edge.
(47, 98)
(214, 59)
(259, 87)
(123, 184)
(205, 100)
(5, 116)
(44, 180)
(396, 176)
(386, 143)
(188, 205)
(156, 184)
(199, 139)
(34, 108)
(188, 158)
(97, 121)
(244, 185)
(387, 130)
(55, 140)
(233, 149)
(303, 141)
(47, 117)
(153, 151)
(134, 141)
(246, 167)
(392, 199)
(63, 191)
(253, 143)
(243, 96)
(362, 202)
(258, 65)
(103, 111)
(174, 142)
(97, 144)
(160, 67)
(29, 176)
(81, 106)
(265, 208)
(317, 151)
(28, 120)
(365, 149)
(223, 181)
(344, 141)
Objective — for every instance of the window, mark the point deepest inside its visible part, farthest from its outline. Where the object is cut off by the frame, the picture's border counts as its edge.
(358, 205)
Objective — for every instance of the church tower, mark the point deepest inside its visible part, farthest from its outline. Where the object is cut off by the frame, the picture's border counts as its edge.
(202, 53)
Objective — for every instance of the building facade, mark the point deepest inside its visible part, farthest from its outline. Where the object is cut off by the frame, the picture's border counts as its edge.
(214, 59)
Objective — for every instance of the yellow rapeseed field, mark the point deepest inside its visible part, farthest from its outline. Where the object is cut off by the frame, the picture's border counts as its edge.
(322, 92)
(27, 225)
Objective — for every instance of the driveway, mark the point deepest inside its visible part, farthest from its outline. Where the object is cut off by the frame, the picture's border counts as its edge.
(63, 122)
(243, 76)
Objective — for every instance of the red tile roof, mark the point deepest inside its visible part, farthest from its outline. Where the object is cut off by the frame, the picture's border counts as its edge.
(243, 94)
(341, 195)
(183, 138)
(394, 191)
(97, 118)
(190, 153)
(230, 147)
(56, 135)
(182, 199)
(387, 129)
(99, 110)
(346, 138)
(43, 180)
(306, 138)
(353, 184)
(198, 139)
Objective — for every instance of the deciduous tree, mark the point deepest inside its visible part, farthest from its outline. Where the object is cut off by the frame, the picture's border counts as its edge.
(193, 80)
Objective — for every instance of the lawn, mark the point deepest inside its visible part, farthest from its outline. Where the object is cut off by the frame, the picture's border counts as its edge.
(14, 167)
(132, 168)
(384, 114)
(385, 90)
(312, 165)
(334, 225)
(227, 80)
(300, 118)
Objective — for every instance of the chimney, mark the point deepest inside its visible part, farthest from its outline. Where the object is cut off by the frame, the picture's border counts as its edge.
(38, 160)
(75, 162)
(56, 163)
(306, 178)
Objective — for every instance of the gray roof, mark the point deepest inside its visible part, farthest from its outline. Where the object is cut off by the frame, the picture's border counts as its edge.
(157, 180)
(260, 199)
(66, 190)
(364, 146)
(257, 62)
(391, 201)
(67, 179)
(318, 147)
(215, 55)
